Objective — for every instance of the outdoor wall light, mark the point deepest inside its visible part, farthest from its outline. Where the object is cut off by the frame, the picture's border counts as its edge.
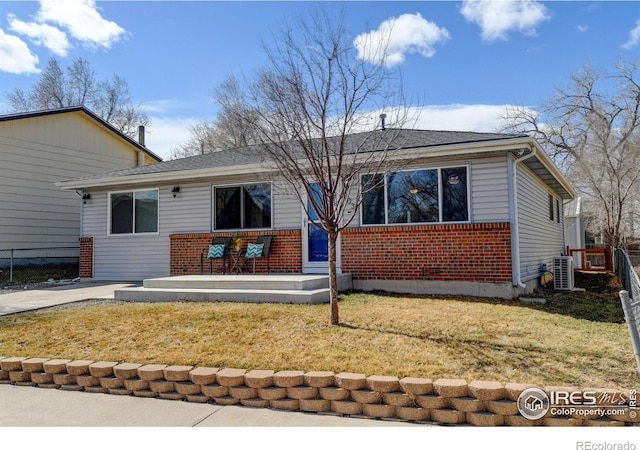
(86, 197)
(175, 191)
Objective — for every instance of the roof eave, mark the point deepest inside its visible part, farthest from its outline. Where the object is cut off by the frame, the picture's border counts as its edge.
(159, 178)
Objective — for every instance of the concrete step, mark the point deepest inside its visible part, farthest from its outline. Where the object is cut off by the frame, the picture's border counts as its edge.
(144, 294)
(269, 282)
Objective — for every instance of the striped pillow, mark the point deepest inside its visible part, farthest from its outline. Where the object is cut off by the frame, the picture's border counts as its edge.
(216, 251)
(254, 250)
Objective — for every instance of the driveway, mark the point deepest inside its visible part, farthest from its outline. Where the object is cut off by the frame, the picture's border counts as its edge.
(32, 299)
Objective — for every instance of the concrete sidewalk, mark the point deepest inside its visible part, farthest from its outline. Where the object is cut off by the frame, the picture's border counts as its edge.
(33, 299)
(30, 406)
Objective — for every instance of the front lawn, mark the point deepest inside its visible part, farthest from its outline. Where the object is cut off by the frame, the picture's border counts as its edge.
(576, 339)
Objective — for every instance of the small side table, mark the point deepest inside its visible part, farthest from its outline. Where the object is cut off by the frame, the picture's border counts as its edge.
(236, 258)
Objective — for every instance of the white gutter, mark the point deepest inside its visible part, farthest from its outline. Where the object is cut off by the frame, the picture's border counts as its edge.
(515, 234)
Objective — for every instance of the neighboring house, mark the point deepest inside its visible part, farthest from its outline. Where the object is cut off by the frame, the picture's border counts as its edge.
(469, 213)
(40, 148)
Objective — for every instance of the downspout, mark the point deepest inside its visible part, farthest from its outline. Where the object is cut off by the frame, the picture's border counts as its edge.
(80, 194)
(515, 234)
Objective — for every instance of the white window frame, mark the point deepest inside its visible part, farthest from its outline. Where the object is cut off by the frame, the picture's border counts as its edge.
(133, 233)
(439, 169)
(239, 185)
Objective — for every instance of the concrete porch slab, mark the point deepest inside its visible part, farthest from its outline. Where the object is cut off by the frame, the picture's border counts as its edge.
(262, 288)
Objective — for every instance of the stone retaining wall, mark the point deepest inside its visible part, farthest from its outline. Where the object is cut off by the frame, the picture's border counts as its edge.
(443, 401)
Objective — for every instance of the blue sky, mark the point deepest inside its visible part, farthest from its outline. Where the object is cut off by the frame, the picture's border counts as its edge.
(464, 60)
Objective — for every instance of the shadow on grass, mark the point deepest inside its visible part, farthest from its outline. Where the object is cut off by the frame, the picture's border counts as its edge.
(598, 303)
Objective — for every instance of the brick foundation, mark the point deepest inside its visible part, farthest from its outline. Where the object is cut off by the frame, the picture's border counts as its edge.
(443, 401)
(285, 252)
(466, 252)
(86, 257)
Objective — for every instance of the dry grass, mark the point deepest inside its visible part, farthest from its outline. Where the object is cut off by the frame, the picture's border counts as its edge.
(384, 335)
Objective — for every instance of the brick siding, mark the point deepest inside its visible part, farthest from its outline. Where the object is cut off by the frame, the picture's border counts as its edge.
(285, 252)
(460, 252)
(86, 257)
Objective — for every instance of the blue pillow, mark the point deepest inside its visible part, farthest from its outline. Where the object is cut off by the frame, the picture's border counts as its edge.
(254, 250)
(216, 251)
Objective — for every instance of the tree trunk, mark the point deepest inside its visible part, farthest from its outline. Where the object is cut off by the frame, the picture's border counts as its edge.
(333, 279)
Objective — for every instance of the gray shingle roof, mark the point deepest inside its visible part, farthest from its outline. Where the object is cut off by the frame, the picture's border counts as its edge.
(401, 139)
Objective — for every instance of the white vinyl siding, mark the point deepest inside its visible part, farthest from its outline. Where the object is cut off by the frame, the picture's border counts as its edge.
(136, 257)
(126, 257)
(188, 212)
(490, 190)
(539, 238)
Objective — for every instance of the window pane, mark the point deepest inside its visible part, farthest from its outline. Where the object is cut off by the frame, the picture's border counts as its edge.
(413, 196)
(373, 200)
(122, 212)
(455, 206)
(146, 211)
(227, 208)
(257, 206)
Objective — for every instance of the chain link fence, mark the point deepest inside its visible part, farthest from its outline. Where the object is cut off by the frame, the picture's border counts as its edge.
(630, 297)
(34, 265)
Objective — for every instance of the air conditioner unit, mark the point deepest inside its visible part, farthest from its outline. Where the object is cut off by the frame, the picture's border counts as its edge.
(563, 273)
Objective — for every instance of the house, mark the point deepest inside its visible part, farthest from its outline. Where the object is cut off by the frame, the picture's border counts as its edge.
(40, 148)
(484, 215)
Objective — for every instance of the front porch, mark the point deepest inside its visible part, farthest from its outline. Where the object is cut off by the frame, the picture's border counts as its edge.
(259, 288)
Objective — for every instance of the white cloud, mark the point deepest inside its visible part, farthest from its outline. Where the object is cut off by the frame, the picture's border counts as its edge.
(634, 37)
(395, 37)
(460, 117)
(83, 21)
(166, 133)
(497, 17)
(41, 34)
(451, 117)
(15, 56)
(582, 28)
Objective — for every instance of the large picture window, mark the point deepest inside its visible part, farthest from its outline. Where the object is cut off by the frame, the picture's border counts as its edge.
(239, 207)
(134, 212)
(419, 196)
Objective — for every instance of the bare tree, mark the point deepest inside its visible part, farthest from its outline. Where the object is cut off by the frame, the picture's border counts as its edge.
(225, 130)
(78, 86)
(592, 130)
(310, 107)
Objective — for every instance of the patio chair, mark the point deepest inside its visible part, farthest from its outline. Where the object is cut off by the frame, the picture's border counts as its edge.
(260, 249)
(219, 249)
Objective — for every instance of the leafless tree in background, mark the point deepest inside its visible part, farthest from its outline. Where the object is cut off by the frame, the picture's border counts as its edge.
(592, 130)
(225, 130)
(78, 86)
(310, 108)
